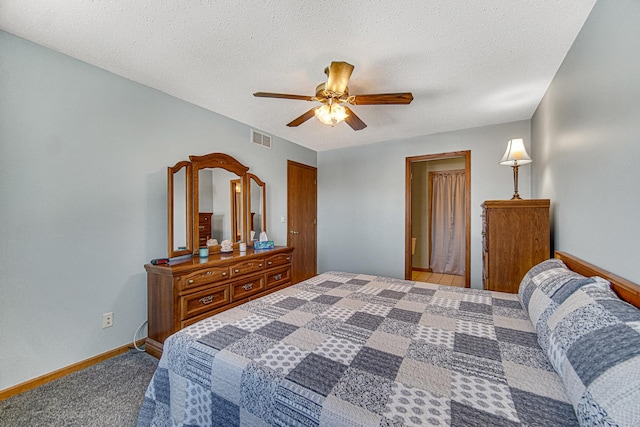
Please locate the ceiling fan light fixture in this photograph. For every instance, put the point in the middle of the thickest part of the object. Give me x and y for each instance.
(333, 94)
(331, 114)
(323, 114)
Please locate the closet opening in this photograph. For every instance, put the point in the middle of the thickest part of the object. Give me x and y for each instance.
(438, 218)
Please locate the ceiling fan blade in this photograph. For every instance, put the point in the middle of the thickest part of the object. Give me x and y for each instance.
(383, 98)
(303, 118)
(283, 95)
(353, 120)
(339, 74)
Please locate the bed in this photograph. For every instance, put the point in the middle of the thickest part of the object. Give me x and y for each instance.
(345, 349)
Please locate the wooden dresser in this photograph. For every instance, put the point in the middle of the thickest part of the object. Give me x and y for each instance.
(186, 291)
(515, 237)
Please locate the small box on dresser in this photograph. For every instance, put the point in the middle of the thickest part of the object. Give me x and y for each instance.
(185, 291)
(515, 237)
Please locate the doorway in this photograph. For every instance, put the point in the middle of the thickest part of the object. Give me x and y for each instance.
(438, 217)
(301, 219)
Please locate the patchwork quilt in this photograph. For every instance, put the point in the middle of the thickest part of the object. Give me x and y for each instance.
(346, 349)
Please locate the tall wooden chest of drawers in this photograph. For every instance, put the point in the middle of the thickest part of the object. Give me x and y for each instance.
(515, 237)
(204, 228)
(186, 291)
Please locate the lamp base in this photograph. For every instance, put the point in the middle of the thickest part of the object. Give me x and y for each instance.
(516, 196)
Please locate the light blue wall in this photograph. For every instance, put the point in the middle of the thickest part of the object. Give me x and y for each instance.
(361, 196)
(83, 158)
(586, 139)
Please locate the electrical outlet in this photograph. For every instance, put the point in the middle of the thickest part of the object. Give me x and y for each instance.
(282, 219)
(107, 320)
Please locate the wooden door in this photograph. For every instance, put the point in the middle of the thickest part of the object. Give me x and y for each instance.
(301, 218)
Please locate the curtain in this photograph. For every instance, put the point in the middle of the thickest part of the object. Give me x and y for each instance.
(448, 222)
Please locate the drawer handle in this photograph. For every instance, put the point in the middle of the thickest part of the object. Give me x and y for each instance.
(190, 281)
(247, 286)
(288, 258)
(269, 263)
(236, 271)
(260, 265)
(224, 273)
(206, 300)
(277, 277)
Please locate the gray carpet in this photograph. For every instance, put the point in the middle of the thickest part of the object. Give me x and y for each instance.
(107, 394)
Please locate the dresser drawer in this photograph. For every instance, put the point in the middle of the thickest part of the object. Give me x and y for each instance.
(246, 287)
(278, 276)
(202, 277)
(279, 259)
(204, 229)
(246, 267)
(203, 301)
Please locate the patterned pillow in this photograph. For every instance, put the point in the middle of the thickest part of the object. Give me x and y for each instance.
(593, 341)
(545, 287)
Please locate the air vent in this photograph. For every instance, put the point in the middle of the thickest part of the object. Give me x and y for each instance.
(260, 139)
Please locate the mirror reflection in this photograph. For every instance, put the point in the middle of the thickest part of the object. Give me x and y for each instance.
(215, 211)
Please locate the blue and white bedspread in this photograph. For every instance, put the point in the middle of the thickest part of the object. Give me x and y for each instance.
(356, 350)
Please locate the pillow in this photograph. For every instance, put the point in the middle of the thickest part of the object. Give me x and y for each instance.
(593, 341)
(546, 286)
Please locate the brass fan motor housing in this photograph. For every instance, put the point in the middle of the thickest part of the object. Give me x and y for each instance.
(323, 95)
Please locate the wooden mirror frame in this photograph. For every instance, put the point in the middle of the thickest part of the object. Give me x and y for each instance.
(223, 161)
(263, 195)
(171, 171)
(236, 211)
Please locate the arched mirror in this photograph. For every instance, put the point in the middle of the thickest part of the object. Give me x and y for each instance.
(179, 214)
(256, 206)
(214, 198)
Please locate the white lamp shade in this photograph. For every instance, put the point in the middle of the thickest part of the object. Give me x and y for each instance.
(516, 154)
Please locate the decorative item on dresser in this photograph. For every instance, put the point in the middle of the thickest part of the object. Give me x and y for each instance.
(188, 290)
(515, 237)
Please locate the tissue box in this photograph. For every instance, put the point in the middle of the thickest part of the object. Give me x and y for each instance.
(268, 244)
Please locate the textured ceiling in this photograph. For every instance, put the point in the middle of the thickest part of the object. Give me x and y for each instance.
(468, 63)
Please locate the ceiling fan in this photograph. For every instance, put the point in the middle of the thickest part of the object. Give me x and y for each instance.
(333, 94)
